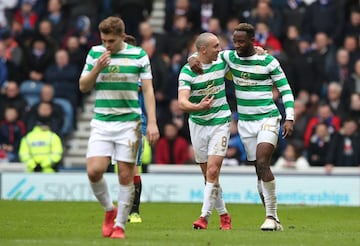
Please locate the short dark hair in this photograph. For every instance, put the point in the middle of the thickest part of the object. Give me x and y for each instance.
(246, 27)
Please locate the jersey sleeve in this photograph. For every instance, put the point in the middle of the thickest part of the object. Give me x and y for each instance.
(185, 78)
(278, 76)
(145, 67)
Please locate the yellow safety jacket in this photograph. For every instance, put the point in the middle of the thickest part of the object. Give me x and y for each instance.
(41, 147)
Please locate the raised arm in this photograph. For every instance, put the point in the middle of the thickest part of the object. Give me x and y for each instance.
(87, 81)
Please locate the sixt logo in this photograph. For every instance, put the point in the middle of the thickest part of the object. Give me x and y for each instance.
(20, 191)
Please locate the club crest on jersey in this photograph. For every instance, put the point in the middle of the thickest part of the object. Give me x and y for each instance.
(245, 75)
(114, 69)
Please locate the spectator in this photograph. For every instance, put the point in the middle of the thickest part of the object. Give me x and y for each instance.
(13, 97)
(26, 16)
(77, 9)
(37, 58)
(290, 41)
(177, 117)
(8, 70)
(301, 118)
(333, 98)
(45, 30)
(351, 44)
(327, 52)
(291, 158)
(354, 109)
(325, 16)
(293, 13)
(171, 148)
(83, 30)
(133, 13)
(352, 25)
(45, 113)
(351, 85)
(214, 26)
(324, 115)
(319, 145)
(153, 45)
(60, 114)
(58, 19)
(77, 54)
(147, 38)
(231, 23)
(178, 37)
(13, 51)
(307, 69)
(186, 8)
(341, 70)
(41, 149)
(207, 9)
(345, 146)
(64, 77)
(11, 131)
(265, 38)
(264, 13)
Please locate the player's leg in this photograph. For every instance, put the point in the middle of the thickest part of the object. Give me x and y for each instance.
(125, 156)
(267, 140)
(100, 148)
(125, 197)
(134, 216)
(200, 149)
(216, 152)
(203, 167)
(96, 166)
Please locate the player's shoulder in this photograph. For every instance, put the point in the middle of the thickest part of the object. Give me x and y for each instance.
(266, 58)
(134, 50)
(97, 48)
(185, 68)
(96, 51)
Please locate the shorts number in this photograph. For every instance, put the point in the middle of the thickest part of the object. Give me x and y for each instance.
(223, 141)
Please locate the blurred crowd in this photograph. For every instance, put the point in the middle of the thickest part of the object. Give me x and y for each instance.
(43, 45)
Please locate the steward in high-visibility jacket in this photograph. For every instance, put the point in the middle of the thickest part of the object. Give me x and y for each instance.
(41, 150)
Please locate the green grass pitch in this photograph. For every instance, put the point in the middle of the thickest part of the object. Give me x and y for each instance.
(79, 223)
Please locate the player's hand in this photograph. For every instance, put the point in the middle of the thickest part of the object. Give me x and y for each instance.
(104, 60)
(195, 65)
(206, 102)
(260, 51)
(152, 133)
(288, 128)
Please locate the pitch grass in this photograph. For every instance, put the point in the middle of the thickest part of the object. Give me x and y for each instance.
(79, 223)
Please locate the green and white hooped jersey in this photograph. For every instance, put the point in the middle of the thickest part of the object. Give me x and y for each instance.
(117, 84)
(211, 82)
(254, 78)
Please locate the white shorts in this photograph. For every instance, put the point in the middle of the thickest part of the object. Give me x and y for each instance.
(119, 140)
(209, 140)
(260, 131)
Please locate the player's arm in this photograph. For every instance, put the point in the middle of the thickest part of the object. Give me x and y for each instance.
(88, 80)
(149, 98)
(282, 84)
(187, 106)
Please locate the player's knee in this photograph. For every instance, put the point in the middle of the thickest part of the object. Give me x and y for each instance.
(262, 168)
(94, 176)
(212, 172)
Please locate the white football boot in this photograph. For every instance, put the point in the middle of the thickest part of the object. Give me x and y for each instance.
(271, 224)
